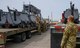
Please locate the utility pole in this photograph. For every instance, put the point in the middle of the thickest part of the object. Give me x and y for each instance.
(48, 20)
(51, 16)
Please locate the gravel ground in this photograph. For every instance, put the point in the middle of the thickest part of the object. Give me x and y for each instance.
(37, 41)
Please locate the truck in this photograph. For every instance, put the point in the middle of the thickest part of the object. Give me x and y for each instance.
(16, 25)
(58, 29)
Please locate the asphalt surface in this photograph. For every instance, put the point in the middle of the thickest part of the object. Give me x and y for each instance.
(37, 41)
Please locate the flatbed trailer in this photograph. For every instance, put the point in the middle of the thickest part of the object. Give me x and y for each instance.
(57, 33)
(18, 34)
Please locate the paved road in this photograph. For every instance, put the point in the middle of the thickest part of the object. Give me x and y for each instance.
(37, 41)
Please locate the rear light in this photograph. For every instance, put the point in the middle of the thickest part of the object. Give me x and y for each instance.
(59, 28)
(2, 46)
(1, 36)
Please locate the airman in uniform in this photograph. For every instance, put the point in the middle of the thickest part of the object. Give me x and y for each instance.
(69, 35)
(38, 25)
(44, 26)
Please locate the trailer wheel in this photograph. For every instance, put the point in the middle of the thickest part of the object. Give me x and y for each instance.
(20, 38)
(23, 37)
(28, 36)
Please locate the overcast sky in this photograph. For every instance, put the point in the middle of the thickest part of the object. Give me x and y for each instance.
(48, 7)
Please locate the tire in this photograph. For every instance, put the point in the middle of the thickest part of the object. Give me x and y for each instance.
(23, 37)
(20, 38)
(28, 35)
(17, 38)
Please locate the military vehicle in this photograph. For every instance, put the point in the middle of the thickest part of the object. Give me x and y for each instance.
(58, 29)
(18, 25)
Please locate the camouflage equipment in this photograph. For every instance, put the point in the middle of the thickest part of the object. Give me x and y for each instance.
(69, 36)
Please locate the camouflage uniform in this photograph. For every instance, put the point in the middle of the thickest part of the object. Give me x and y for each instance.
(38, 25)
(44, 26)
(69, 36)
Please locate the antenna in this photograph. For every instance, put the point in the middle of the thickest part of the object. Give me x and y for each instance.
(70, 2)
(8, 8)
(72, 8)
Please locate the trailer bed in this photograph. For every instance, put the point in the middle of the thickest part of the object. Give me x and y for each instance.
(12, 31)
(6, 30)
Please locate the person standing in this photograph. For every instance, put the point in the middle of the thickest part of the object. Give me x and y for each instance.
(38, 24)
(69, 35)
